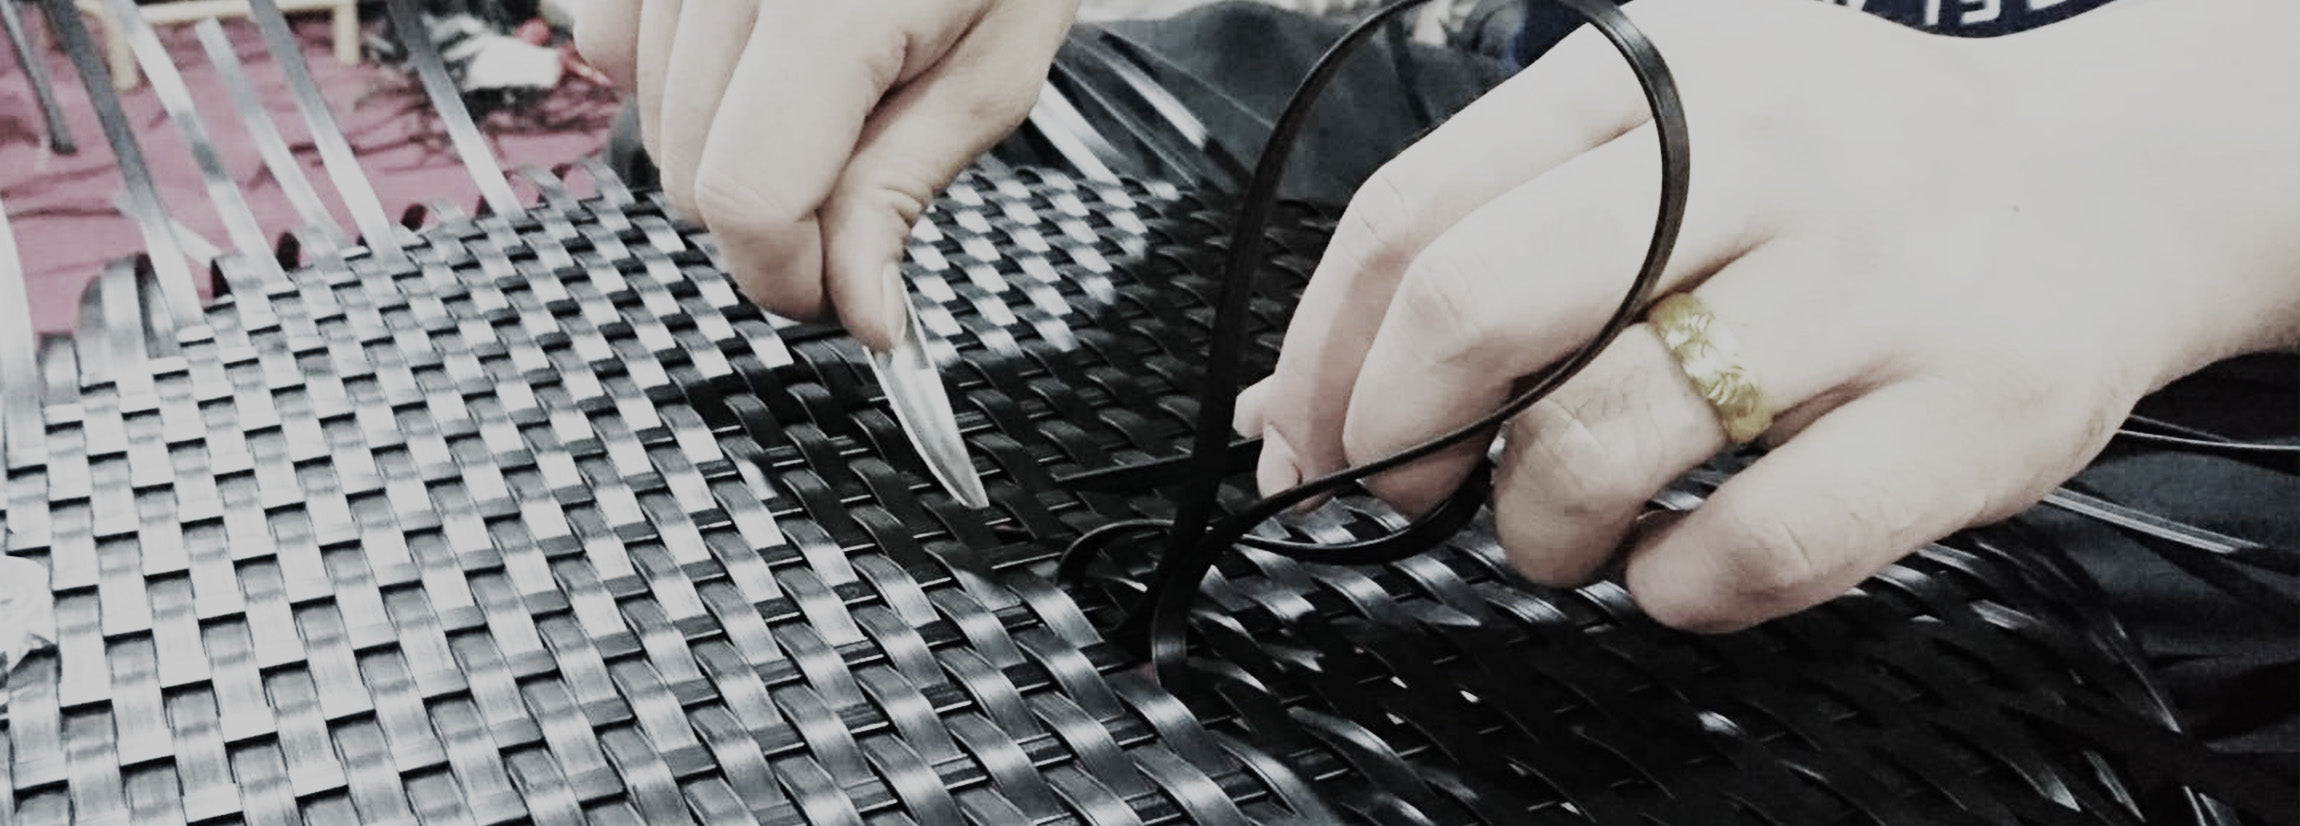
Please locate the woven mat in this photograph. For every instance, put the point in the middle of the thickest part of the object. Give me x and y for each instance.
(552, 527)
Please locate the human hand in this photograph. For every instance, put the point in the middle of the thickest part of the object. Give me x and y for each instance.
(808, 136)
(1952, 265)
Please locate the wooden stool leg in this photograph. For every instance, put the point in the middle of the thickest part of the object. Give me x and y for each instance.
(347, 33)
(123, 59)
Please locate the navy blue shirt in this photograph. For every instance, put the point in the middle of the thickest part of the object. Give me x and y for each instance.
(1547, 23)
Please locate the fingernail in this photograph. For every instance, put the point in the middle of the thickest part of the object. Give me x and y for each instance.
(1249, 416)
(1276, 471)
(896, 300)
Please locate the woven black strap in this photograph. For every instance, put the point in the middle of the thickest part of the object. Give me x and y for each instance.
(543, 522)
(36, 72)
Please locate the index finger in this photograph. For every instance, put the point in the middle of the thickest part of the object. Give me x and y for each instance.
(607, 36)
(791, 118)
(1577, 97)
(1514, 288)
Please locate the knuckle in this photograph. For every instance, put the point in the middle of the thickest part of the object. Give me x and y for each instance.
(1563, 490)
(883, 56)
(1766, 567)
(1373, 229)
(1441, 305)
(1565, 461)
(2042, 423)
(1778, 560)
(730, 204)
(1541, 549)
(1000, 105)
(774, 298)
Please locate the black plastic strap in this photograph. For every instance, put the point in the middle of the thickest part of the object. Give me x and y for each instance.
(1072, 136)
(1149, 60)
(375, 226)
(20, 425)
(36, 71)
(1399, 40)
(143, 198)
(2228, 778)
(2140, 432)
(478, 158)
(168, 85)
(1181, 146)
(1192, 548)
(195, 246)
(1152, 475)
(318, 228)
(1097, 52)
(2140, 523)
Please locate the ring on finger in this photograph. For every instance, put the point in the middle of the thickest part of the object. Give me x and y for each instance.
(1710, 356)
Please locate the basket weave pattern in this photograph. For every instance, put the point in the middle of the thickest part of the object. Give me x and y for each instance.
(553, 527)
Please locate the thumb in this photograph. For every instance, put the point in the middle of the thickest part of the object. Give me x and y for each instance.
(913, 146)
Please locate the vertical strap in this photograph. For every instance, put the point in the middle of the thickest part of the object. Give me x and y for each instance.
(605, 184)
(1071, 136)
(20, 427)
(239, 221)
(59, 369)
(376, 228)
(36, 70)
(195, 246)
(112, 337)
(1169, 74)
(142, 197)
(550, 189)
(318, 228)
(478, 157)
(1180, 144)
(1098, 54)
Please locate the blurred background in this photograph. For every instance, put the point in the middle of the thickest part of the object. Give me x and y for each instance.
(538, 103)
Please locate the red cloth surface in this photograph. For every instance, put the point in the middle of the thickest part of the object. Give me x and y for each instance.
(60, 206)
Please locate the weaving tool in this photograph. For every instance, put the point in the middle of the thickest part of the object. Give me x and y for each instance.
(527, 516)
(914, 389)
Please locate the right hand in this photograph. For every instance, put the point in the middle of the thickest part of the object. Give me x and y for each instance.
(808, 136)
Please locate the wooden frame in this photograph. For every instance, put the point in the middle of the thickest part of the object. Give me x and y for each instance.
(345, 14)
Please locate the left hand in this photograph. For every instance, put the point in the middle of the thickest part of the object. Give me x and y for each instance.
(1952, 265)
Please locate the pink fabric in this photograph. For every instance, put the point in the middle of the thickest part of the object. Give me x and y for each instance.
(60, 206)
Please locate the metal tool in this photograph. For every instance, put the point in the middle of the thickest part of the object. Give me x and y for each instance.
(914, 389)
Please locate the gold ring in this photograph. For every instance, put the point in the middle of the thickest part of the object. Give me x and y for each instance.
(1710, 357)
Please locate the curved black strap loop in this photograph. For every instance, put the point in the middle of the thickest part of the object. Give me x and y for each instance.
(1195, 542)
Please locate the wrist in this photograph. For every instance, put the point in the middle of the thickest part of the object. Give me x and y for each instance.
(2178, 117)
